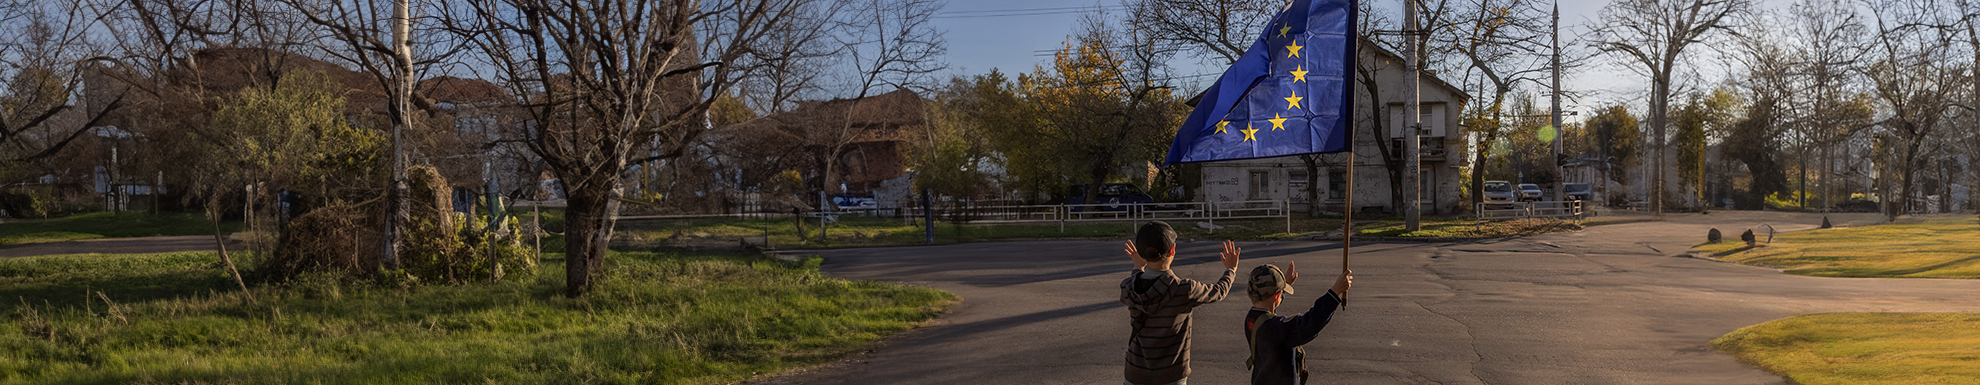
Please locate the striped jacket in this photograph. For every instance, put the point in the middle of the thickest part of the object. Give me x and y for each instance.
(1158, 348)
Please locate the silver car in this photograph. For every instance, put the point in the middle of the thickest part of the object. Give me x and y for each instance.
(1498, 191)
(1529, 192)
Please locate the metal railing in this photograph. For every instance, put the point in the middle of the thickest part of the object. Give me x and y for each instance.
(1529, 210)
(1133, 213)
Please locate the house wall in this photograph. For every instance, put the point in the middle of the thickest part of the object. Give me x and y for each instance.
(1232, 181)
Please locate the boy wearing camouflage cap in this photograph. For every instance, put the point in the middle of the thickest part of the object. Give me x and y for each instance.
(1276, 355)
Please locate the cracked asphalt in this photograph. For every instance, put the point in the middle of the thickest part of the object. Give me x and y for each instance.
(1617, 304)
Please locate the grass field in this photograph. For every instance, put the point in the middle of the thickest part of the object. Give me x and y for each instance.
(104, 225)
(655, 318)
(1927, 248)
(1864, 348)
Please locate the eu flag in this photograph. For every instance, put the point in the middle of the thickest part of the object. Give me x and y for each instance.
(1289, 94)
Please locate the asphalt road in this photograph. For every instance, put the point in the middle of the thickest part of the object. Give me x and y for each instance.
(1609, 305)
(115, 246)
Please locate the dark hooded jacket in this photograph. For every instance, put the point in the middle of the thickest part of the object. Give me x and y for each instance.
(1159, 311)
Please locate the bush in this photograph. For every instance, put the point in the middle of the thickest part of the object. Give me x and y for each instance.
(469, 251)
(338, 239)
(440, 245)
(446, 246)
(41, 201)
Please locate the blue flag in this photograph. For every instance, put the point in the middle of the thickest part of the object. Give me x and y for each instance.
(1290, 94)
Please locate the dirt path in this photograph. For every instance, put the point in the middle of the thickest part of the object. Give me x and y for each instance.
(115, 246)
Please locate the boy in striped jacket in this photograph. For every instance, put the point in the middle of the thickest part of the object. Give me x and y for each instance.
(1159, 306)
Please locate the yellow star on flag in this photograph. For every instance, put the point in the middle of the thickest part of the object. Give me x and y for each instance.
(1282, 31)
(1222, 125)
(1278, 122)
(1293, 49)
(1249, 134)
(1293, 101)
(1299, 75)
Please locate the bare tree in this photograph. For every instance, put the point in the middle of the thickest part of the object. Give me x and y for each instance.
(45, 54)
(602, 78)
(1652, 36)
(889, 43)
(1914, 76)
(1830, 34)
(1499, 42)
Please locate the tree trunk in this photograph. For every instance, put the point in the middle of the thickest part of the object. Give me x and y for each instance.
(1312, 184)
(588, 232)
(1660, 93)
(220, 243)
(1097, 178)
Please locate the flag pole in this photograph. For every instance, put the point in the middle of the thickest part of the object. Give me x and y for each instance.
(1347, 225)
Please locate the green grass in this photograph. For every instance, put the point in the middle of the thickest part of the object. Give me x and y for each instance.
(105, 225)
(1864, 348)
(655, 318)
(1930, 248)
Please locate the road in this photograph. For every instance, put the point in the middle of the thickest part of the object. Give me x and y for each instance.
(114, 246)
(1607, 305)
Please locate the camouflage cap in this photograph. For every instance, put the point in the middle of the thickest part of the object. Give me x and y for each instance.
(1266, 280)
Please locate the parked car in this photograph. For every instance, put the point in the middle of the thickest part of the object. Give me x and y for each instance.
(1529, 192)
(1112, 197)
(1498, 191)
(854, 202)
(1579, 191)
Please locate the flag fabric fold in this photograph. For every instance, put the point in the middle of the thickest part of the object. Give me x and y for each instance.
(1290, 94)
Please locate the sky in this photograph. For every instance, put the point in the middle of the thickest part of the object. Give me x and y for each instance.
(1013, 41)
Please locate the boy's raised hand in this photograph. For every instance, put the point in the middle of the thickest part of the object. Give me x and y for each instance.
(1230, 255)
(1292, 272)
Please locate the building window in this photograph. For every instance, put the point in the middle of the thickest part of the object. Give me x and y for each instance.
(1296, 185)
(1261, 186)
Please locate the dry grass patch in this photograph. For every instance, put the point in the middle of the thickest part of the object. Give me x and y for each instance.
(1931, 248)
(1863, 348)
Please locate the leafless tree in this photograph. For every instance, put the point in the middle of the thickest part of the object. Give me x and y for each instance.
(1915, 76)
(1830, 41)
(1652, 37)
(889, 43)
(45, 52)
(1503, 44)
(602, 78)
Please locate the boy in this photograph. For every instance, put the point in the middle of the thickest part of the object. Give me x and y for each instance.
(1160, 303)
(1276, 355)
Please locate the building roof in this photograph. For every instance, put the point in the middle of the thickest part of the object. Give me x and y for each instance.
(1430, 77)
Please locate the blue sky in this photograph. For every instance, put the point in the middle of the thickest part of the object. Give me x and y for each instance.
(1011, 43)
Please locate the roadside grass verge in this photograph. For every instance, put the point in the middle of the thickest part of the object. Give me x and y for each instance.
(1929, 248)
(105, 225)
(654, 318)
(1863, 348)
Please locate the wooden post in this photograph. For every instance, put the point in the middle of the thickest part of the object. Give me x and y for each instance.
(537, 222)
(1347, 221)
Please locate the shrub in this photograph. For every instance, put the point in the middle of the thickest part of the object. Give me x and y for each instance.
(440, 245)
(340, 239)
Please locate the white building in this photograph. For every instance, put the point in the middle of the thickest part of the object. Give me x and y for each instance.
(1285, 178)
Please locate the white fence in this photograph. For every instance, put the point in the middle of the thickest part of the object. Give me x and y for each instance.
(1528, 210)
(1062, 214)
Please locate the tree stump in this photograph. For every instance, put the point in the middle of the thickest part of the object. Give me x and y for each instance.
(1714, 236)
(1748, 237)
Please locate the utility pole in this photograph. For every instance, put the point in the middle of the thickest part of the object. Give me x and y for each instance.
(397, 213)
(1560, 133)
(1413, 120)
